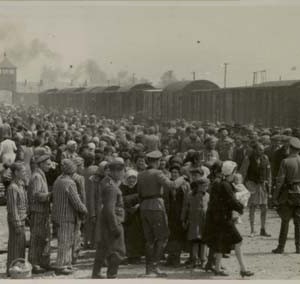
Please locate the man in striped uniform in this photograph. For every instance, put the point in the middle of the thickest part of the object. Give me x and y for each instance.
(67, 207)
(80, 184)
(39, 206)
(17, 207)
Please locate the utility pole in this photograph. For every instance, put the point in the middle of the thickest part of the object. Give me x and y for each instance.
(225, 74)
(194, 75)
(263, 75)
(133, 78)
(254, 78)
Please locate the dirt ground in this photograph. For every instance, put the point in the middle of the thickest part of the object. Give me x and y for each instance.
(257, 251)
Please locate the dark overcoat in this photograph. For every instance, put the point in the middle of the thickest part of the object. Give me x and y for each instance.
(220, 232)
(111, 218)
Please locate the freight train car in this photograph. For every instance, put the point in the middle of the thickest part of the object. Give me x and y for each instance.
(269, 104)
(175, 104)
(152, 103)
(130, 99)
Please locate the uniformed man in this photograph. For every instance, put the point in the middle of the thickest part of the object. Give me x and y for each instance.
(151, 184)
(111, 246)
(287, 195)
(39, 206)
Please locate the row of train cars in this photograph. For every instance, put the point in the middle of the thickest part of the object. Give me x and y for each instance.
(269, 104)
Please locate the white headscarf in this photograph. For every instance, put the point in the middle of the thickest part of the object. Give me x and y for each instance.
(129, 173)
(228, 167)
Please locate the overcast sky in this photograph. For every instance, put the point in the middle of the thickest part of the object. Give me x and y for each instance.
(150, 39)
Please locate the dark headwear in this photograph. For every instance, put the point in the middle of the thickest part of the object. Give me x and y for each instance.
(116, 164)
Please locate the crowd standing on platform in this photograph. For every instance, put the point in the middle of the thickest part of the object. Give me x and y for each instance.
(130, 189)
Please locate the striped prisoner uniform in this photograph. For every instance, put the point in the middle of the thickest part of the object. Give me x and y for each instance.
(39, 206)
(80, 184)
(67, 206)
(17, 206)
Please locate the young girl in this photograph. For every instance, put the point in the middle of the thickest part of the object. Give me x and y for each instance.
(193, 217)
(242, 194)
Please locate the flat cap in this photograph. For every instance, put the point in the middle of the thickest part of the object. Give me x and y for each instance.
(295, 143)
(285, 138)
(276, 137)
(42, 158)
(154, 155)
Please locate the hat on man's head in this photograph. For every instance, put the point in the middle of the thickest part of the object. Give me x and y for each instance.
(39, 151)
(295, 143)
(154, 155)
(285, 138)
(276, 137)
(116, 164)
(41, 158)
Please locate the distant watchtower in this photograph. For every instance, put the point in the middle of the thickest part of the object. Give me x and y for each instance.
(8, 75)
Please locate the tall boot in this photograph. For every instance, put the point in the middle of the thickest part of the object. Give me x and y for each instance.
(297, 235)
(98, 263)
(284, 229)
(113, 266)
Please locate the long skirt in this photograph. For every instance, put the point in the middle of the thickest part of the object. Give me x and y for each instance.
(134, 236)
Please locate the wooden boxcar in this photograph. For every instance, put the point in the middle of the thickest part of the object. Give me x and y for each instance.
(152, 103)
(111, 102)
(175, 104)
(269, 104)
(132, 99)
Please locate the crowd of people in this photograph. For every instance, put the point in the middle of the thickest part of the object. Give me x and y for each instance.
(131, 189)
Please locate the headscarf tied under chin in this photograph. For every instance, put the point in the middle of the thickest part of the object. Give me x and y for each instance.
(128, 174)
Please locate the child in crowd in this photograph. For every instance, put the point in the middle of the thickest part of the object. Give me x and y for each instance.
(194, 214)
(242, 194)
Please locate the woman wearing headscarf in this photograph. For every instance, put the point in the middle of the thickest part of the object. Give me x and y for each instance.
(134, 238)
(221, 234)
